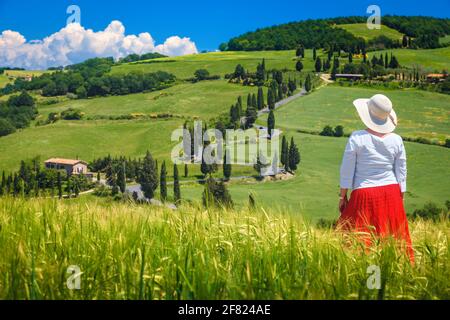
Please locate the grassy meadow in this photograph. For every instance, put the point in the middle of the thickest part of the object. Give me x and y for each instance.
(421, 113)
(204, 100)
(217, 63)
(89, 140)
(4, 80)
(432, 60)
(361, 30)
(313, 192)
(126, 251)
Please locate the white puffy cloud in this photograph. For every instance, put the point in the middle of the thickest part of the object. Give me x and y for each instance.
(74, 43)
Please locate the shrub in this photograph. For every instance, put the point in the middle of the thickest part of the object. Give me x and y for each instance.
(102, 191)
(201, 74)
(72, 114)
(430, 211)
(216, 194)
(327, 131)
(339, 131)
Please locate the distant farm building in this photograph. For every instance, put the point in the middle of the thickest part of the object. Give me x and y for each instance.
(349, 76)
(72, 167)
(436, 77)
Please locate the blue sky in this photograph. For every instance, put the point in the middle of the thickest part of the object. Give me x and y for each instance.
(207, 23)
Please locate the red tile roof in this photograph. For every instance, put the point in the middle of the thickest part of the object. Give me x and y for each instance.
(65, 161)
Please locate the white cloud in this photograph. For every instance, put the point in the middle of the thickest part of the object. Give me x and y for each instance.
(74, 43)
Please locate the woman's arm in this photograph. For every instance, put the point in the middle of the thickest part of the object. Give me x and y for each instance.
(347, 171)
(400, 169)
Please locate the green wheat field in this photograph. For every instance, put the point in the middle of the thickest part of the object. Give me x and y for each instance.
(125, 251)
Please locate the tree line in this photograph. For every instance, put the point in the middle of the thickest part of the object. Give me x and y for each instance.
(91, 78)
(145, 171)
(31, 180)
(16, 113)
(423, 32)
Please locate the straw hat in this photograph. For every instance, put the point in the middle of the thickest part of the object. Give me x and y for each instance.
(377, 113)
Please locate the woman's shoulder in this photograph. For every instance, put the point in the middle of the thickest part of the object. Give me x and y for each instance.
(358, 134)
(396, 138)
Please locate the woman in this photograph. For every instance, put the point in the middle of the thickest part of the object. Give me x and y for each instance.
(374, 167)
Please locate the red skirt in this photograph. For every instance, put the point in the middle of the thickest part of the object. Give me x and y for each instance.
(377, 211)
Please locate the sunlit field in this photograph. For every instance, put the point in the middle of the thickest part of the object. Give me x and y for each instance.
(126, 251)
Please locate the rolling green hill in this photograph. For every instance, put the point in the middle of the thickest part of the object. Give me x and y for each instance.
(203, 99)
(421, 114)
(219, 63)
(361, 30)
(88, 140)
(428, 60)
(314, 190)
(4, 80)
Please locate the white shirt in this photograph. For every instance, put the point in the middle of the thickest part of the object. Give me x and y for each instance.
(371, 161)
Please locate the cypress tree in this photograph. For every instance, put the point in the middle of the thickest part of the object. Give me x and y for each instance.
(294, 156)
(204, 167)
(280, 92)
(314, 53)
(270, 99)
(121, 179)
(16, 185)
(386, 61)
(176, 185)
(249, 100)
(59, 183)
(76, 188)
(115, 188)
(308, 85)
(163, 182)
(148, 177)
(98, 176)
(254, 103)
(299, 66)
(350, 57)
(318, 65)
(270, 123)
(380, 61)
(186, 171)
(284, 150)
(330, 53)
(250, 116)
(234, 114)
(260, 99)
(239, 105)
(334, 70)
(226, 167)
(9, 184)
